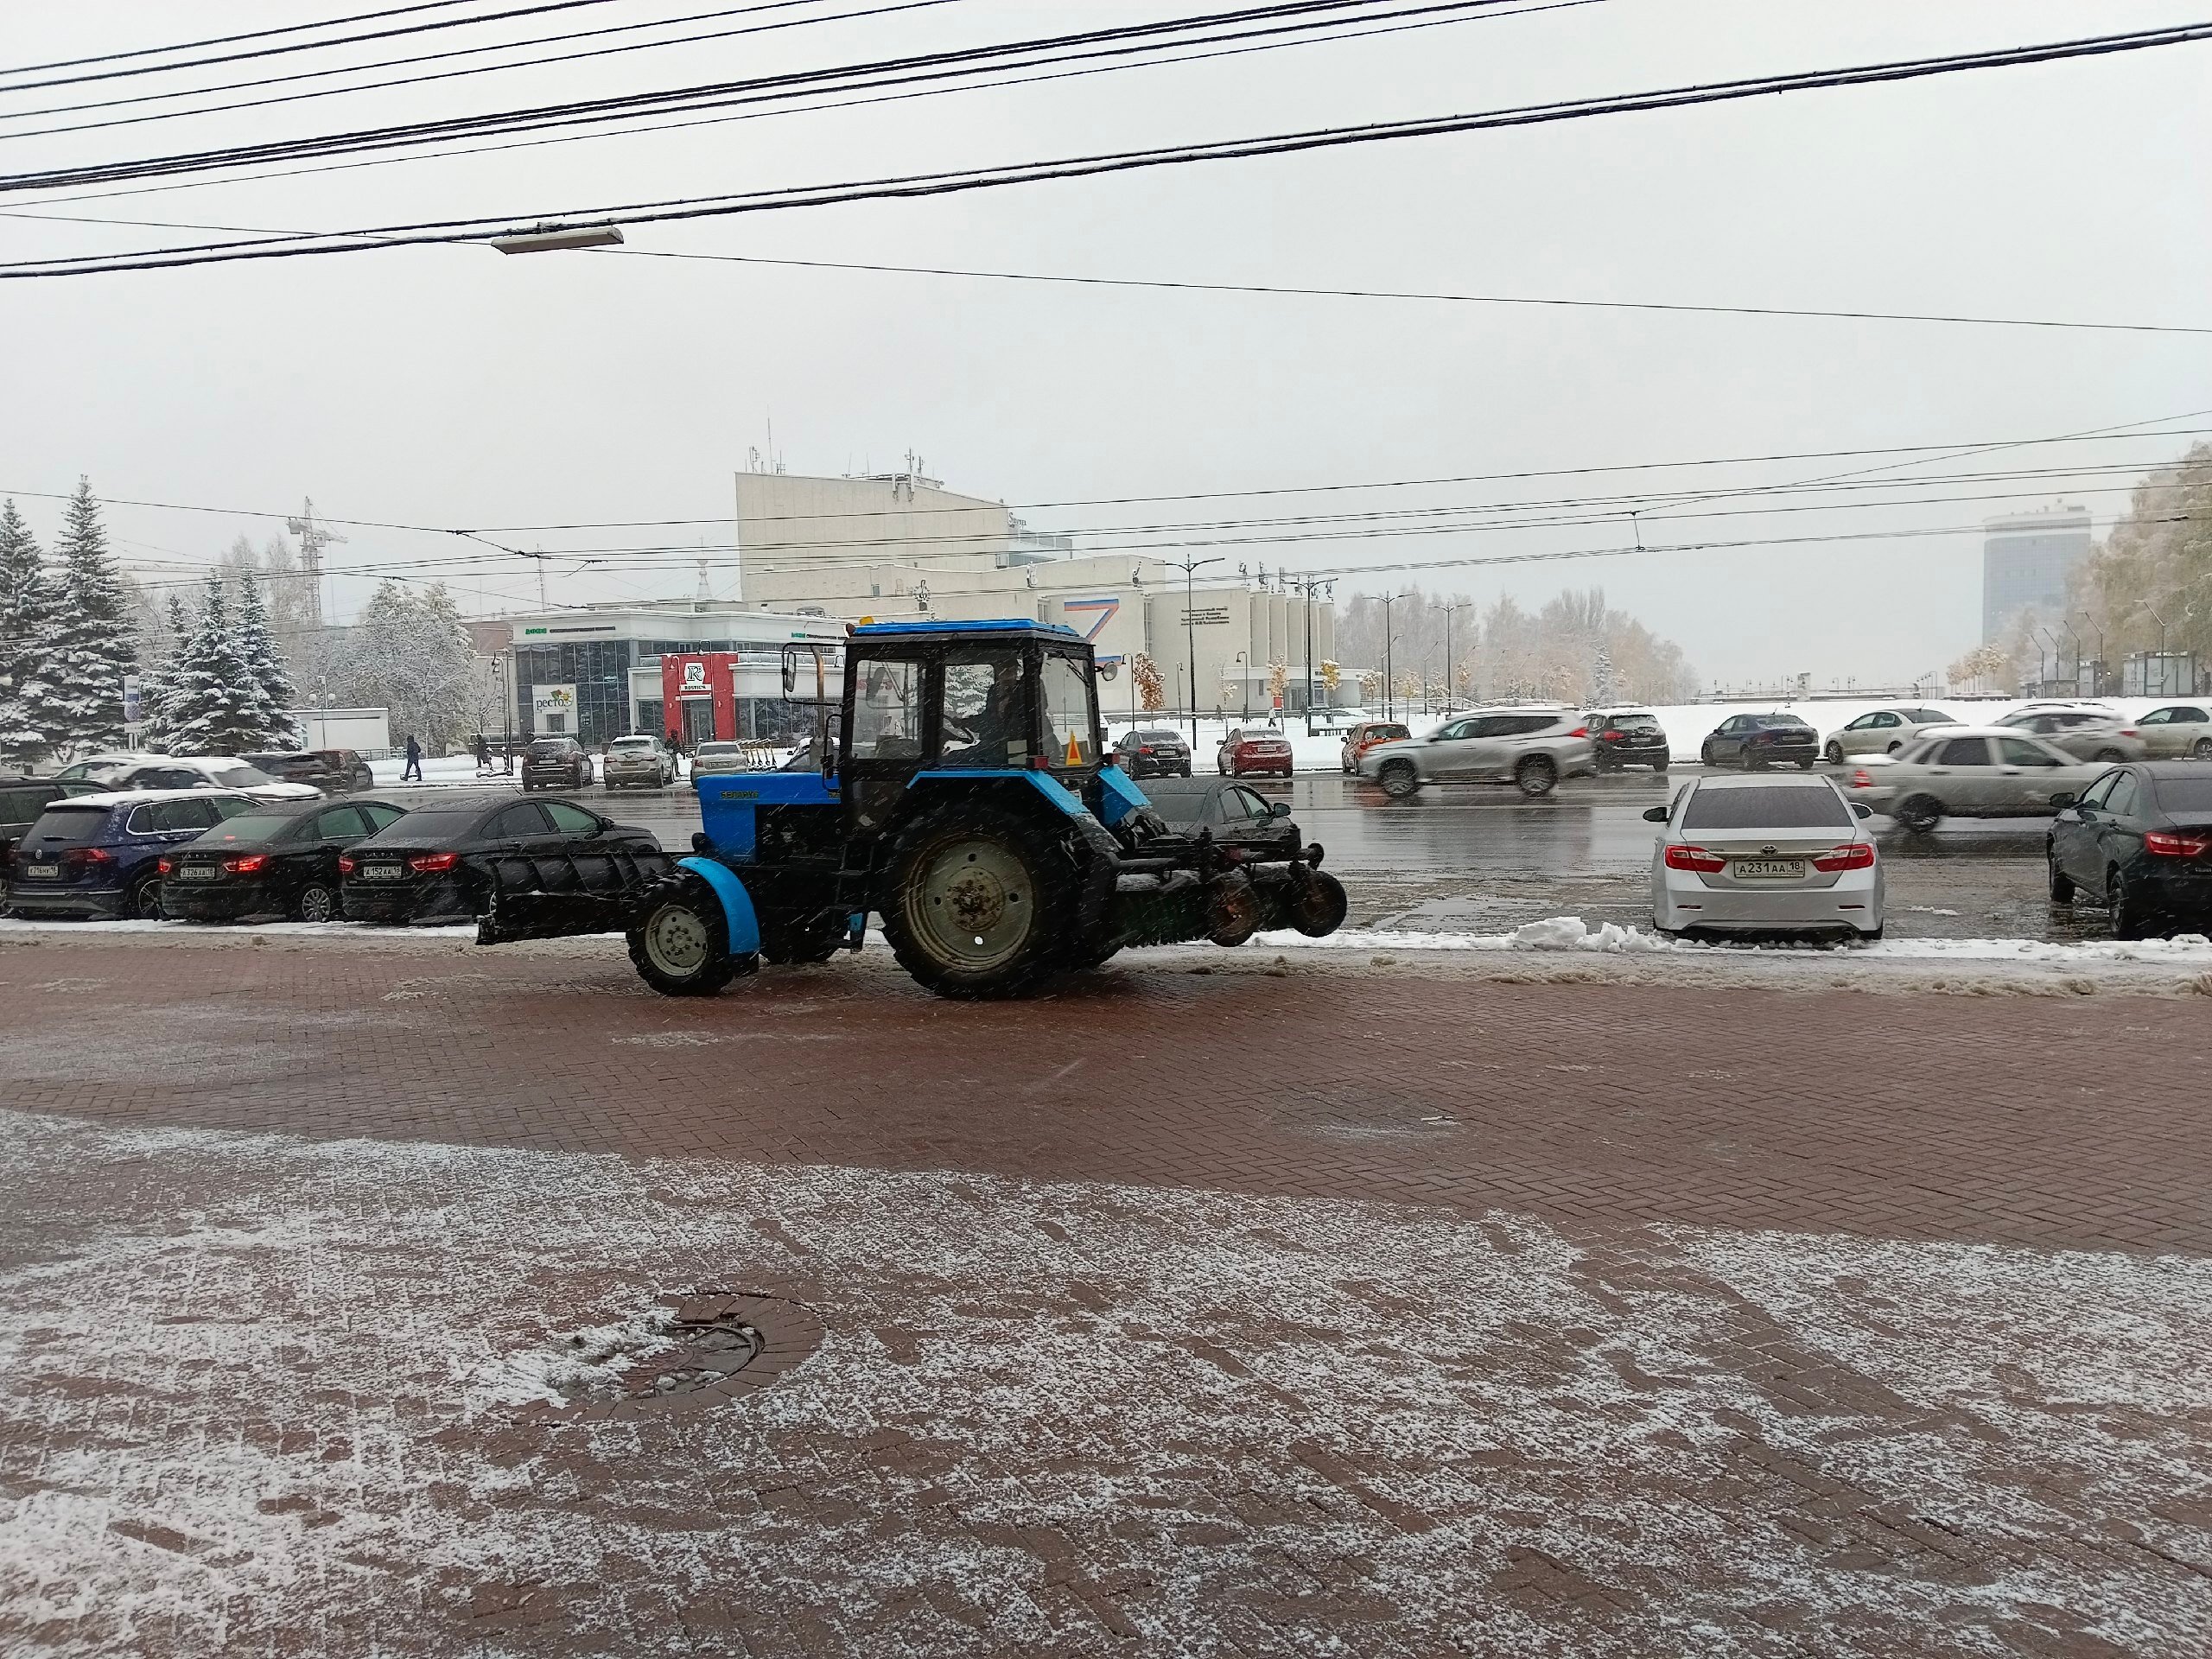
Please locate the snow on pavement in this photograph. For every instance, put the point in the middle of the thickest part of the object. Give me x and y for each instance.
(246, 1404)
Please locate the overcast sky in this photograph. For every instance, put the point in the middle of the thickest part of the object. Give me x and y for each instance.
(453, 386)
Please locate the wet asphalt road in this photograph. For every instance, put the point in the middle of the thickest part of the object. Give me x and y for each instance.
(1480, 858)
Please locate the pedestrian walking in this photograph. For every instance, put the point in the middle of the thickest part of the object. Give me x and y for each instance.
(414, 768)
(483, 754)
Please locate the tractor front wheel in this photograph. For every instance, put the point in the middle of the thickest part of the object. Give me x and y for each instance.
(982, 901)
(680, 938)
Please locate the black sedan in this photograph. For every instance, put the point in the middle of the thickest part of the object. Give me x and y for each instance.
(444, 861)
(1629, 740)
(2139, 840)
(1233, 812)
(1756, 742)
(278, 860)
(1153, 752)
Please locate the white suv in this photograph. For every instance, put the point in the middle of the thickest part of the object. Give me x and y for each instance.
(132, 773)
(1533, 748)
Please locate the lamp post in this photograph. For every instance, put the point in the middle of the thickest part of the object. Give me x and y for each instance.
(2068, 627)
(1465, 605)
(1389, 688)
(1309, 587)
(1244, 681)
(2097, 679)
(1190, 569)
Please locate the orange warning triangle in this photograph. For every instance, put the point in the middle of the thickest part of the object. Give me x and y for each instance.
(1075, 751)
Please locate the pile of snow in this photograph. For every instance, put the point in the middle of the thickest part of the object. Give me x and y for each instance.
(1571, 933)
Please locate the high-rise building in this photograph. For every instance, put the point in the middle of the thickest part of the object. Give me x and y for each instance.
(2025, 559)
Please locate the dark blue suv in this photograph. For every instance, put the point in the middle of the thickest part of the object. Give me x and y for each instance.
(101, 855)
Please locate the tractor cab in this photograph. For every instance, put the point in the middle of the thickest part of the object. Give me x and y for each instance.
(963, 701)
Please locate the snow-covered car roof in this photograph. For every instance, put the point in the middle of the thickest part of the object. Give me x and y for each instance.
(144, 797)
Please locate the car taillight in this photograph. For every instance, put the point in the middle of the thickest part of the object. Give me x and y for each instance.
(1580, 731)
(432, 863)
(93, 855)
(1146, 749)
(1862, 779)
(246, 865)
(2129, 731)
(1694, 858)
(345, 865)
(1609, 736)
(2165, 845)
(1851, 855)
(163, 865)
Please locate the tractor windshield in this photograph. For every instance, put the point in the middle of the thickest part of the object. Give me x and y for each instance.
(1070, 713)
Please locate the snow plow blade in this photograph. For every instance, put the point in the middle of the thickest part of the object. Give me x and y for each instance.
(559, 895)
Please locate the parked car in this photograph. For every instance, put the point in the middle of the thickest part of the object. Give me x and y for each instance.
(116, 773)
(1881, 731)
(1531, 747)
(442, 862)
(1365, 735)
(1753, 741)
(1250, 750)
(1235, 814)
(720, 755)
(99, 855)
(2139, 840)
(555, 763)
(334, 772)
(1153, 752)
(2085, 733)
(1628, 739)
(278, 860)
(1765, 854)
(21, 801)
(636, 762)
(2180, 731)
(1969, 771)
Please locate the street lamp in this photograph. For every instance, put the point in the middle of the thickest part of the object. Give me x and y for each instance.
(1190, 569)
(1389, 688)
(2068, 627)
(1465, 605)
(1244, 681)
(2097, 679)
(557, 238)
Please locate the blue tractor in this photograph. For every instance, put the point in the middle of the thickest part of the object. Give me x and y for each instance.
(965, 795)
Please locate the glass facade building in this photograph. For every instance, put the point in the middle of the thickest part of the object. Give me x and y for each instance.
(2026, 563)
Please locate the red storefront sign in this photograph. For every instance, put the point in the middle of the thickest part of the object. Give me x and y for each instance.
(703, 676)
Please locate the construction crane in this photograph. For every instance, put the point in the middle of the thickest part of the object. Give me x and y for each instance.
(313, 539)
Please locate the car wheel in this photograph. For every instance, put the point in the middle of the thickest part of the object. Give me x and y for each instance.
(2109, 757)
(1871, 936)
(1752, 762)
(1893, 748)
(2062, 885)
(1834, 754)
(2129, 917)
(144, 902)
(1398, 780)
(1807, 764)
(1536, 775)
(2202, 751)
(317, 902)
(1918, 813)
(1705, 755)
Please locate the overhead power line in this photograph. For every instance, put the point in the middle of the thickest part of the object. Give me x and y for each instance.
(271, 34)
(1268, 18)
(926, 184)
(440, 57)
(1430, 296)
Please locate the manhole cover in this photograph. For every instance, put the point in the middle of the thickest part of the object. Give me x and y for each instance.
(690, 1353)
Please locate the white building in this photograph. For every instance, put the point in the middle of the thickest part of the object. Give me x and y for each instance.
(900, 545)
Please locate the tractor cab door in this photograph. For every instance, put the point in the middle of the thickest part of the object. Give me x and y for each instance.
(887, 725)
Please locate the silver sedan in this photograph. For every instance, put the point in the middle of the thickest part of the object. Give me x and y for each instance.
(2085, 733)
(1765, 854)
(1970, 772)
(1881, 731)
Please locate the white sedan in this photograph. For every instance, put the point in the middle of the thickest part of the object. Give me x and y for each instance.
(1765, 854)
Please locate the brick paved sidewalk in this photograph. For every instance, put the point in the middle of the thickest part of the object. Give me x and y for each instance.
(1177, 1313)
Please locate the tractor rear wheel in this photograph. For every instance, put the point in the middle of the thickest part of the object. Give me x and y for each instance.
(680, 938)
(981, 901)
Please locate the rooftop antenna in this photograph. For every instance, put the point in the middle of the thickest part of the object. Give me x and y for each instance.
(705, 595)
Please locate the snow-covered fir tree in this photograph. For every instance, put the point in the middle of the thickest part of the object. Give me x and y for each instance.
(87, 644)
(23, 602)
(272, 681)
(211, 695)
(409, 653)
(157, 685)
